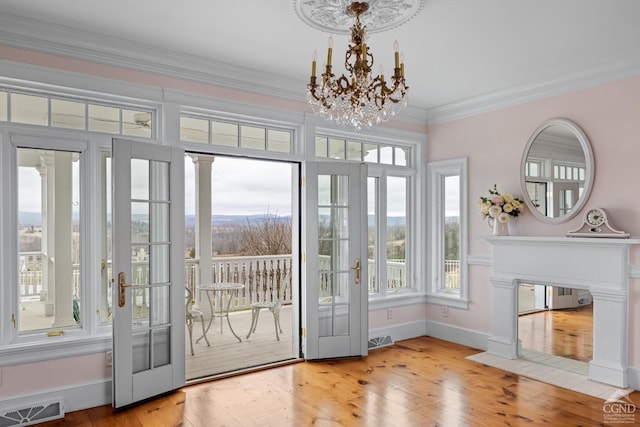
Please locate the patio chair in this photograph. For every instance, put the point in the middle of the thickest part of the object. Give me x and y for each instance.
(273, 307)
(191, 316)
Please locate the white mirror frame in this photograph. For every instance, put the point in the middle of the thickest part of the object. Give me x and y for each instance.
(589, 162)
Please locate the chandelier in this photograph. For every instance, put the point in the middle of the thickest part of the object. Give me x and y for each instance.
(360, 98)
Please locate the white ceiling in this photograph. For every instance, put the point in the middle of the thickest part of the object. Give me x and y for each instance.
(459, 54)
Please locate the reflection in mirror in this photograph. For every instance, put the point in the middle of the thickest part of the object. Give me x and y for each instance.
(557, 171)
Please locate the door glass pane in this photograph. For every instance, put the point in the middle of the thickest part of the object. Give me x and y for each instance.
(140, 222)
(140, 305)
(49, 263)
(161, 347)
(139, 179)
(150, 224)
(334, 258)
(160, 262)
(140, 350)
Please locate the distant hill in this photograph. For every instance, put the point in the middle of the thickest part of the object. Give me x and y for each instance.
(35, 219)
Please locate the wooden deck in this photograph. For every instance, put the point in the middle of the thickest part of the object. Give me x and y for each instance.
(226, 354)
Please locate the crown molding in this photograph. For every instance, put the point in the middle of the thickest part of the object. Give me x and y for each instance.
(30, 34)
(622, 68)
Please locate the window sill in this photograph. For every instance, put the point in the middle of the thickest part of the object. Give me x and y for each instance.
(396, 300)
(449, 300)
(54, 348)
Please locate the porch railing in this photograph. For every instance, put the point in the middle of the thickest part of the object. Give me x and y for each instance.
(266, 278)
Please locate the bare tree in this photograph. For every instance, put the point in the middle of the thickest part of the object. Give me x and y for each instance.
(269, 236)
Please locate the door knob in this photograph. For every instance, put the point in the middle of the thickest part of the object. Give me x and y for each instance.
(122, 289)
(357, 269)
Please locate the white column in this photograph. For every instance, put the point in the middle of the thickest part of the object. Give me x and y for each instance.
(63, 265)
(609, 363)
(48, 226)
(203, 165)
(504, 326)
(44, 249)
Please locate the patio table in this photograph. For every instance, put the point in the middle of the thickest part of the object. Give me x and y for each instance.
(218, 290)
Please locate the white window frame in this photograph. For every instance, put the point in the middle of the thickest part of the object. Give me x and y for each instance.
(437, 171)
(92, 336)
(381, 174)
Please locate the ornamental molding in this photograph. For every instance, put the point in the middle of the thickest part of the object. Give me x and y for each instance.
(331, 16)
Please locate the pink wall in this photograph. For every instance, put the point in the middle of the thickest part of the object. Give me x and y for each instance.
(51, 374)
(494, 142)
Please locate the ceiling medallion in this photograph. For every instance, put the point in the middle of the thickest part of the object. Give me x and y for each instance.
(329, 15)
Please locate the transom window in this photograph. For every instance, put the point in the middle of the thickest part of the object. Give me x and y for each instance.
(68, 113)
(236, 135)
(344, 149)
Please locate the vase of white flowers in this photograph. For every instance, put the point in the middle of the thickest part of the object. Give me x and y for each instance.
(498, 208)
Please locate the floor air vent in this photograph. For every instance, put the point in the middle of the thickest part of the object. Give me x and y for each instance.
(378, 342)
(32, 414)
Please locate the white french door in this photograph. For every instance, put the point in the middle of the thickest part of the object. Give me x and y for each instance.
(335, 295)
(148, 271)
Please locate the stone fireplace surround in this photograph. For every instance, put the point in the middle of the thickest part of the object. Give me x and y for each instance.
(600, 265)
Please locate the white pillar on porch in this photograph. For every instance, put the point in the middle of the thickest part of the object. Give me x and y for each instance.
(204, 254)
(47, 172)
(63, 264)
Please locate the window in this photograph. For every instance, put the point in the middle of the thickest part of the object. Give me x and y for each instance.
(57, 236)
(57, 112)
(341, 149)
(388, 199)
(230, 134)
(447, 183)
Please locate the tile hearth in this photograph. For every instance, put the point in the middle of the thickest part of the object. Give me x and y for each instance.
(573, 376)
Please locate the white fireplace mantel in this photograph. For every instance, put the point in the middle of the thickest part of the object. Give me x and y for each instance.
(600, 265)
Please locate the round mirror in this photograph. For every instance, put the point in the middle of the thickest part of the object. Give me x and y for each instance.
(557, 171)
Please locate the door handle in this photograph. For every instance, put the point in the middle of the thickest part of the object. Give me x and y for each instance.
(122, 289)
(357, 269)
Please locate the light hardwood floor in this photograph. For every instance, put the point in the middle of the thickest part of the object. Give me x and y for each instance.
(564, 333)
(418, 382)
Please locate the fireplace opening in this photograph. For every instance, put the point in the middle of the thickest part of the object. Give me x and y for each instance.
(555, 326)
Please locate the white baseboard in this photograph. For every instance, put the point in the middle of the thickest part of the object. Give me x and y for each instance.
(458, 335)
(438, 330)
(400, 332)
(75, 397)
(633, 377)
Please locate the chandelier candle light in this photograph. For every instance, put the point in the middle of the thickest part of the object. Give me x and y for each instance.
(359, 99)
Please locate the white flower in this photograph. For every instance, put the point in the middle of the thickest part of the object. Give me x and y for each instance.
(485, 210)
(494, 211)
(508, 198)
(503, 217)
(508, 207)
